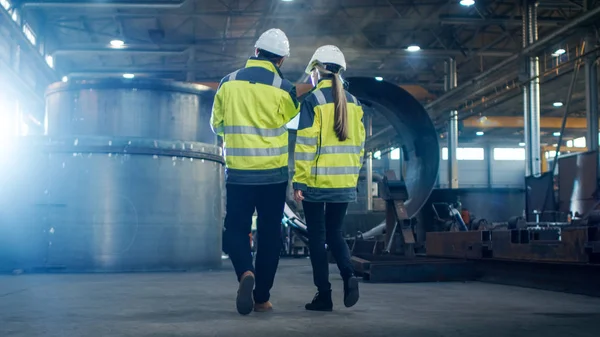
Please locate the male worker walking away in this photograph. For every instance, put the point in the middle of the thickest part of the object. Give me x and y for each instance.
(250, 112)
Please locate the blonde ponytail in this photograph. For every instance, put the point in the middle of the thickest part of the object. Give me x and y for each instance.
(341, 109)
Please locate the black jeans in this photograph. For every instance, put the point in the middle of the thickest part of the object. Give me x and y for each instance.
(269, 201)
(324, 223)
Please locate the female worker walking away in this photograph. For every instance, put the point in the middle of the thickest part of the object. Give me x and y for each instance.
(328, 158)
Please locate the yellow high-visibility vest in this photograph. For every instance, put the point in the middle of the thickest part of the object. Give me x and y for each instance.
(326, 169)
(251, 109)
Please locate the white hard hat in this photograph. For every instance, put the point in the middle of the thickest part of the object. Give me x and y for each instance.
(327, 54)
(274, 41)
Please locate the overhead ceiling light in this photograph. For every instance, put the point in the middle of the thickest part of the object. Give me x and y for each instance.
(413, 48)
(117, 43)
(559, 52)
(521, 144)
(556, 134)
(378, 78)
(557, 104)
(65, 79)
(128, 76)
(467, 2)
(287, 0)
(479, 133)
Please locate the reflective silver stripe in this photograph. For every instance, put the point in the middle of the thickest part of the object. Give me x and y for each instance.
(251, 130)
(304, 156)
(233, 75)
(254, 152)
(320, 97)
(335, 170)
(354, 99)
(341, 149)
(277, 81)
(306, 140)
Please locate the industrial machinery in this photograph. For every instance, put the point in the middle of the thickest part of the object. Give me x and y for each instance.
(128, 178)
(549, 248)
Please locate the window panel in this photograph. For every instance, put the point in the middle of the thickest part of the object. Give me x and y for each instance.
(5, 3)
(579, 142)
(29, 34)
(502, 153)
(466, 153)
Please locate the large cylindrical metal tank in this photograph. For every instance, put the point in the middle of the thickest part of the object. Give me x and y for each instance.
(128, 178)
(154, 109)
(110, 204)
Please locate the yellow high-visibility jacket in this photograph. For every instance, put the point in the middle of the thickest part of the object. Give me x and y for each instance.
(326, 170)
(251, 109)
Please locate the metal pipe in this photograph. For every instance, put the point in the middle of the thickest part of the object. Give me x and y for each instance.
(108, 4)
(534, 93)
(370, 166)
(539, 44)
(525, 89)
(451, 82)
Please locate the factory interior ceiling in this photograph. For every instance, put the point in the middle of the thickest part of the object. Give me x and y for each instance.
(202, 41)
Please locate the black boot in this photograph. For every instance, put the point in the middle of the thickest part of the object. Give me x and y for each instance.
(350, 291)
(321, 302)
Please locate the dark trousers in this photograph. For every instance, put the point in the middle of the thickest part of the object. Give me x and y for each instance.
(269, 201)
(324, 223)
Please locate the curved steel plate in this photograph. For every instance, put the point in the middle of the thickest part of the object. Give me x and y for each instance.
(415, 131)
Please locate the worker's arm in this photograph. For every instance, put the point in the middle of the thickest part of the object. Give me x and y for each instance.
(362, 134)
(306, 145)
(291, 106)
(216, 117)
(363, 137)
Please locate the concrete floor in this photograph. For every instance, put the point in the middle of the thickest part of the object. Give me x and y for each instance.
(202, 304)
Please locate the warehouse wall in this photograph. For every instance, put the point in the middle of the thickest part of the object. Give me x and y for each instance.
(489, 166)
(25, 72)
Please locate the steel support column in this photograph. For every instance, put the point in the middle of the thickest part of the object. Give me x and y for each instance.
(369, 166)
(591, 97)
(449, 84)
(531, 94)
(591, 88)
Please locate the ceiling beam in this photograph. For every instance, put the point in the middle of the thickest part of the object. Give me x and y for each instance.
(496, 20)
(179, 48)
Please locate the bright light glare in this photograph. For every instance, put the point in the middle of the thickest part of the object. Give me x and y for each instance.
(379, 78)
(559, 52)
(65, 79)
(556, 134)
(467, 2)
(479, 133)
(557, 104)
(129, 76)
(50, 61)
(413, 48)
(287, 0)
(521, 144)
(117, 43)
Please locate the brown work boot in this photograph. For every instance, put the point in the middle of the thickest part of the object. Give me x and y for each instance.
(245, 301)
(263, 307)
